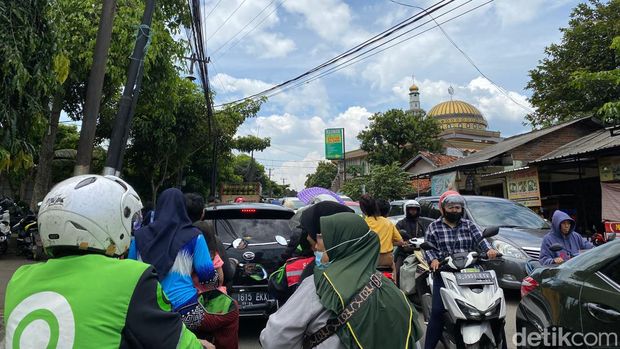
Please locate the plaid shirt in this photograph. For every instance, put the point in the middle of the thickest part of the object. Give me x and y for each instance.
(462, 238)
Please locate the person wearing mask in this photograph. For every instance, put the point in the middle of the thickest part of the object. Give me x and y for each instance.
(177, 250)
(346, 257)
(92, 299)
(412, 226)
(301, 262)
(563, 233)
(450, 234)
(385, 229)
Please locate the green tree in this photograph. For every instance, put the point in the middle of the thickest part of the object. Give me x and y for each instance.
(26, 51)
(388, 182)
(397, 135)
(576, 77)
(323, 176)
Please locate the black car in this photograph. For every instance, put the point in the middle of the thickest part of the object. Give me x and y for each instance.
(520, 235)
(255, 236)
(578, 300)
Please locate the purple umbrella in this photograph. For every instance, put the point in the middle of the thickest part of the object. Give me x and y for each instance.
(308, 194)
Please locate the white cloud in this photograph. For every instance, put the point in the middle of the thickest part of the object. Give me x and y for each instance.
(271, 45)
(512, 12)
(220, 30)
(308, 99)
(330, 19)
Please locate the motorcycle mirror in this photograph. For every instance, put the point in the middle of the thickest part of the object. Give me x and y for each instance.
(555, 247)
(281, 240)
(490, 231)
(239, 244)
(427, 246)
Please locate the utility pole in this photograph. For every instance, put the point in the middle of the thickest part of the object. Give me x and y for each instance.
(93, 92)
(122, 123)
(270, 184)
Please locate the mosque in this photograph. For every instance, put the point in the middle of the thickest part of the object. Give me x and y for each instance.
(463, 127)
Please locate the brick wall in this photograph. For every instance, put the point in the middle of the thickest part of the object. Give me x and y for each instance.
(549, 142)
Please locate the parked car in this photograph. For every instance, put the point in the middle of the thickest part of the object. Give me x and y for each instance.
(255, 236)
(582, 295)
(520, 235)
(397, 210)
(355, 206)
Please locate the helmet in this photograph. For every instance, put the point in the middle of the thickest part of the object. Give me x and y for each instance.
(411, 204)
(451, 196)
(89, 212)
(239, 200)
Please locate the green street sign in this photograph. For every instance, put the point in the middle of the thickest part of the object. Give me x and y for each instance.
(334, 143)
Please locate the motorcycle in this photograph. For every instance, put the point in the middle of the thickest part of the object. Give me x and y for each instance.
(413, 272)
(474, 302)
(5, 231)
(28, 239)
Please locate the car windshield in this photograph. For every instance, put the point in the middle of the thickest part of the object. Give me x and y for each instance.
(396, 210)
(252, 230)
(505, 214)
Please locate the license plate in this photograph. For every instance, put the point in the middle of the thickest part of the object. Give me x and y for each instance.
(477, 278)
(251, 298)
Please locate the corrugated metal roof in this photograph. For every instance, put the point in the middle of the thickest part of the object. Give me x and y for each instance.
(500, 148)
(598, 140)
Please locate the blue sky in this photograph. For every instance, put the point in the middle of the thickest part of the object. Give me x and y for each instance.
(505, 39)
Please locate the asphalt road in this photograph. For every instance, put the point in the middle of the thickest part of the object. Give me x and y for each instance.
(249, 329)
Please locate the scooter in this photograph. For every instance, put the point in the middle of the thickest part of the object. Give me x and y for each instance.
(474, 302)
(5, 231)
(413, 272)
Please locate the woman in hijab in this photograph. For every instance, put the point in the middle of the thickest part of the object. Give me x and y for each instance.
(346, 258)
(177, 250)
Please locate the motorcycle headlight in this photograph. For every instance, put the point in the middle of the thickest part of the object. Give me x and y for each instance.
(508, 250)
(469, 311)
(494, 309)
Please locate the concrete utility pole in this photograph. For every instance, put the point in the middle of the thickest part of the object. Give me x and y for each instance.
(93, 92)
(122, 123)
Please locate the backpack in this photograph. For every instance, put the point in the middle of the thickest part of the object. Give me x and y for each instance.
(284, 281)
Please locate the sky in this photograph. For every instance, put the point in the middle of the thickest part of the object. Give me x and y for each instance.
(256, 44)
(504, 39)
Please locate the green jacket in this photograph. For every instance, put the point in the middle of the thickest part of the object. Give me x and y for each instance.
(91, 301)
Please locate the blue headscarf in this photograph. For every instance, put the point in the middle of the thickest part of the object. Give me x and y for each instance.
(159, 242)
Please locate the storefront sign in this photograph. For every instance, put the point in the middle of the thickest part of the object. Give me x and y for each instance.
(609, 168)
(441, 183)
(334, 143)
(523, 187)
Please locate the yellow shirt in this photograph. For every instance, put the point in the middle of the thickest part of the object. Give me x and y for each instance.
(386, 230)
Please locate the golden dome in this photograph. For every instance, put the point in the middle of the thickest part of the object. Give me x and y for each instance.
(413, 88)
(458, 114)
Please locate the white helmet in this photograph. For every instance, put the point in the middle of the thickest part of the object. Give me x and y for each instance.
(89, 212)
(411, 203)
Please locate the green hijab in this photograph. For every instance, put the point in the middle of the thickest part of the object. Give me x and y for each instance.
(386, 319)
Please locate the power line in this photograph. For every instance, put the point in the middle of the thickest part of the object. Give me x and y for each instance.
(242, 29)
(364, 55)
(373, 40)
(289, 160)
(471, 61)
(213, 9)
(227, 19)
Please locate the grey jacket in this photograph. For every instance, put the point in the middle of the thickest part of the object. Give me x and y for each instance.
(301, 315)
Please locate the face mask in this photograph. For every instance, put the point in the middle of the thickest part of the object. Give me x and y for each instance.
(453, 217)
(318, 255)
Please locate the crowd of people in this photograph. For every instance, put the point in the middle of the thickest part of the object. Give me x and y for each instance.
(131, 276)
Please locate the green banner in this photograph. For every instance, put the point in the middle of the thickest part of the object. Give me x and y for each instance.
(334, 143)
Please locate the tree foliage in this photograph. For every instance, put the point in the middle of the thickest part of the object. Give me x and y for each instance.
(250, 143)
(323, 176)
(397, 135)
(388, 182)
(26, 78)
(576, 78)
